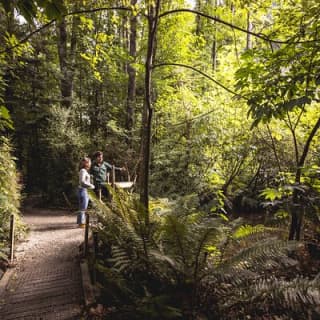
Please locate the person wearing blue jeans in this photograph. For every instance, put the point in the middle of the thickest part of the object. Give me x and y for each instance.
(84, 184)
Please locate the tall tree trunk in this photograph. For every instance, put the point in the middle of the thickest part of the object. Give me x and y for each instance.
(214, 52)
(153, 12)
(66, 60)
(214, 43)
(198, 7)
(63, 60)
(131, 98)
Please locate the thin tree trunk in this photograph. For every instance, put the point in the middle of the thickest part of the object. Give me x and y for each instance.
(274, 149)
(214, 43)
(66, 60)
(148, 110)
(131, 100)
(296, 213)
(198, 18)
(62, 53)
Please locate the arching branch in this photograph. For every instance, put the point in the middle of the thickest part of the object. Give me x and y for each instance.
(26, 38)
(202, 73)
(202, 115)
(258, 35)
(208, 77)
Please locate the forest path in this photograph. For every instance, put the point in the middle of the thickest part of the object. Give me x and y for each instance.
(46, 283)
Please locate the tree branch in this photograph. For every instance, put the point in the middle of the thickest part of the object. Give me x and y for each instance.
(308, 142)
(202, 73)
(205, 75)
(258, 35)
(25, 39)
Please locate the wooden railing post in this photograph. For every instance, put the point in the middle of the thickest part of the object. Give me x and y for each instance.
(11, 237)
(86, 235)
(95, 253)
(113, 177)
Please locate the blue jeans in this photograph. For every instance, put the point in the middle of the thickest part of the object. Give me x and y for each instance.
(83, 205)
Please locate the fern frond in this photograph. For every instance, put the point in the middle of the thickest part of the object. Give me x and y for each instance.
(296, 297)
(262, 255)
(258, 296)
(113, 284)
(249, 230)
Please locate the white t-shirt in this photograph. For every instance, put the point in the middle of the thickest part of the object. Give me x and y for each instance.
(84, 179)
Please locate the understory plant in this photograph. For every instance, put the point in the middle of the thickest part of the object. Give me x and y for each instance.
(179, 263)
(62, 140)
(10, 195)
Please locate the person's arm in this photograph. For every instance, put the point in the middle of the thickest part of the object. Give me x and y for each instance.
(82, 179)
(108, 165)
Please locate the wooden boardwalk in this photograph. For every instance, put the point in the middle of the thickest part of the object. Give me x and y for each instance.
(46, 283)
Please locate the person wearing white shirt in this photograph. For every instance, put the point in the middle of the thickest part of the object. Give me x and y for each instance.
(84, 184)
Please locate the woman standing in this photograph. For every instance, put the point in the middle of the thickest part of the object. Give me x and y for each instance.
(84, 184)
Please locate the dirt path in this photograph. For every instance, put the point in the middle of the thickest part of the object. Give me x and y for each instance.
(46, 284)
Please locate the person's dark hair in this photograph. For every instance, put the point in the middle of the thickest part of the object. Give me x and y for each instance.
(97, 154)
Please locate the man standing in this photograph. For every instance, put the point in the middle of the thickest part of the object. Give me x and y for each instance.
(100, 171)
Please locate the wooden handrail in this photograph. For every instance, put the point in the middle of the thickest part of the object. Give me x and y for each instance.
(12, 237)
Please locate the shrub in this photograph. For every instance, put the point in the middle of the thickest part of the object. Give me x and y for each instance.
(10, 193)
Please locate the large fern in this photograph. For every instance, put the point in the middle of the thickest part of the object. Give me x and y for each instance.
(251, 283)
(270, 296)
(199, 263)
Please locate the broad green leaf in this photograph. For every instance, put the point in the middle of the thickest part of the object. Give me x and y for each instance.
(271, 194)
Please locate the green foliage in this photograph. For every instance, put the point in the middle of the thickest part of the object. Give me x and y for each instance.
(29, 8)
(133, 259)
(275, 297)
(274, 84)
(271, 194)
(10, 194)
(248, 230)
(9, 186)
(202, 146)
(64, 146)
(283, 78)
(5, 119)
(175, 263)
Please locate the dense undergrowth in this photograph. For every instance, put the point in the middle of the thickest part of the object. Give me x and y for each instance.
(10, 198)
(178, 263)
